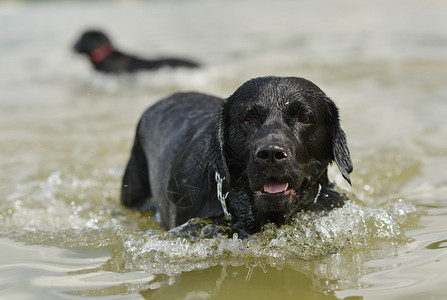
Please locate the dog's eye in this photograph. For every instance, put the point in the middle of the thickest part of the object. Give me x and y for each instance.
(248, 116)
(303, 119)
(253, 115)
(248, 119)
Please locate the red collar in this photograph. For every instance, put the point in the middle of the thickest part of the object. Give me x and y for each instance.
(101, 53)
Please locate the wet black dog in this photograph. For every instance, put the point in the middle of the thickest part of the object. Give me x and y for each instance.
(268, 146)
(106, 58)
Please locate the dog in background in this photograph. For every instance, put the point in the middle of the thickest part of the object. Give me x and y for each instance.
(106, 58)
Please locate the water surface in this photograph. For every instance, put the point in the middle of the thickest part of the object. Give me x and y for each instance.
(66, 133)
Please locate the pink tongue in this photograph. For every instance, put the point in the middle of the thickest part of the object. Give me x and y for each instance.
(275, 187)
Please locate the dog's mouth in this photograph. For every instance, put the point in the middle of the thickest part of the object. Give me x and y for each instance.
(274, 187)
(275, 195)
(78, 47)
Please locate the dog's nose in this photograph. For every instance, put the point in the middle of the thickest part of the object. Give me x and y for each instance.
(271, 153)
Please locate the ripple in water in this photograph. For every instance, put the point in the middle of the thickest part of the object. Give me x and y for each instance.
(66, 211)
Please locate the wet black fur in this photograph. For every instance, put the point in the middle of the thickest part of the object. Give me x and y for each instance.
(119, 62)
(184, 139)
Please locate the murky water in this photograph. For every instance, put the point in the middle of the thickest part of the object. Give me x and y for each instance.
(66, 132)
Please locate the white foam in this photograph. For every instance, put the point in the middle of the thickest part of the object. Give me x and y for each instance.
(67, 211)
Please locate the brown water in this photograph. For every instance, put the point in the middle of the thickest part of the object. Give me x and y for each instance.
(66, 132)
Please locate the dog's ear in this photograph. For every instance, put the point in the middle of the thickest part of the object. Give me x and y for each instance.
(221, 127)
(340, 149)
(341, 153)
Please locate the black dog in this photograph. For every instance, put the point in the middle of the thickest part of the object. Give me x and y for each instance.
(259, 156)
(107, 59)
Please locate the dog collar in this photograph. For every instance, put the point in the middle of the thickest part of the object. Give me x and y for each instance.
(221, 197)
(318, 193)
(101, 53)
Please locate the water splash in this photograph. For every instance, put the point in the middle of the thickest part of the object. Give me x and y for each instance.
(310, 236)
(66, 211)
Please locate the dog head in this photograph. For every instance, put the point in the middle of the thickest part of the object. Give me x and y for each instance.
(278, 136)
(90, 41)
